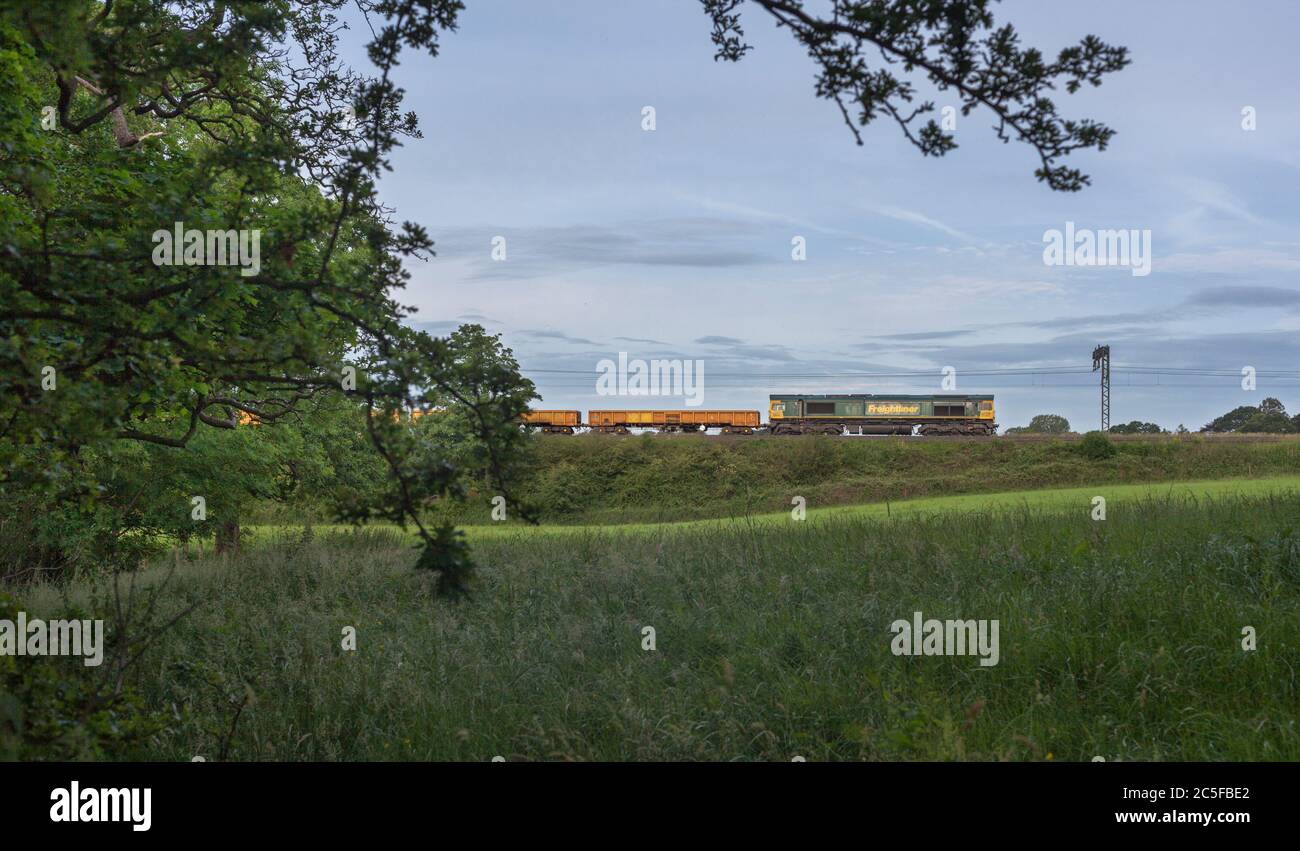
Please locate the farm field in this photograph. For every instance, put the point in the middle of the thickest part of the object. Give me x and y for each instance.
(1119, 638)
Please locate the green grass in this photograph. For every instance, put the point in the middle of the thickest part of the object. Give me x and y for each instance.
(600, 479)
(1049, 499)
(1119, 638)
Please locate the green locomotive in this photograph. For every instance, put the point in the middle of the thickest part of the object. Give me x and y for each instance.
(865, 413)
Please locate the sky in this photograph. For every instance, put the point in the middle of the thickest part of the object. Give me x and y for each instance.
(676, 242)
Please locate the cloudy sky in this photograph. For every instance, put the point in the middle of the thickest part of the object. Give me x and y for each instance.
(676, 243)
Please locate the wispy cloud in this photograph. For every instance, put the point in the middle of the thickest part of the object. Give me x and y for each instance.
(1246, 297)
(530, 252)
(916, 218)
(558, 335)
(644, 340)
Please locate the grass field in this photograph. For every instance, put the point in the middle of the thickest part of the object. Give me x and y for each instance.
(1062, 500)
(604, 479)
(1119, 638)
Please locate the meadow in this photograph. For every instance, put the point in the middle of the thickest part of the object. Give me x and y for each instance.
(1120, 638)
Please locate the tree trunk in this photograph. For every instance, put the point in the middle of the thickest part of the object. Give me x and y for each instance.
(228, 538)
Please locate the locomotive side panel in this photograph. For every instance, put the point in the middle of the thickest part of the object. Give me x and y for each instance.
(796, 413)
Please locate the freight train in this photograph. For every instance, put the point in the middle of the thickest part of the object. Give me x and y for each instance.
(795, 413)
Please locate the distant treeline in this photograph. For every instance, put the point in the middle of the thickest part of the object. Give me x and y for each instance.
(1269, 417)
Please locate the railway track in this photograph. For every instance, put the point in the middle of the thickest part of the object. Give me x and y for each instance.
(1071, 437)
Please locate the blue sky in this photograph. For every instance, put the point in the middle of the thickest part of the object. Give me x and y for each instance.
(676, 243)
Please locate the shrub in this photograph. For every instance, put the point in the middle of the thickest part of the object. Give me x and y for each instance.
(1096, 446)
(57, 708)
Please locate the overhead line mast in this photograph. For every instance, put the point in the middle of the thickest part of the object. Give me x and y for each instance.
(1101, 360)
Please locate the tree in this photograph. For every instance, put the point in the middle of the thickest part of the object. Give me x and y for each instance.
(1044, 424)
(1136, 427)
(954, 45)
(1267, 423)
(1231, 421)
(198, 117)
(489, 368)
(1272, 406)
(1269, 418)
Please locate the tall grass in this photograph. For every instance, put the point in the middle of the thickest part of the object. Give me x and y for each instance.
(1120, 638)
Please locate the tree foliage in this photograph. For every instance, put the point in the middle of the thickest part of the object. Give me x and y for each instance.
(1268, 423)
(1043, 424)
(1136, 427)
(868, 51)
(230, 117)
(1269, 417)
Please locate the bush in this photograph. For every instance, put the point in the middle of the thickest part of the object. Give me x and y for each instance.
(57, 708)
(1097, 446)
(62, 542)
